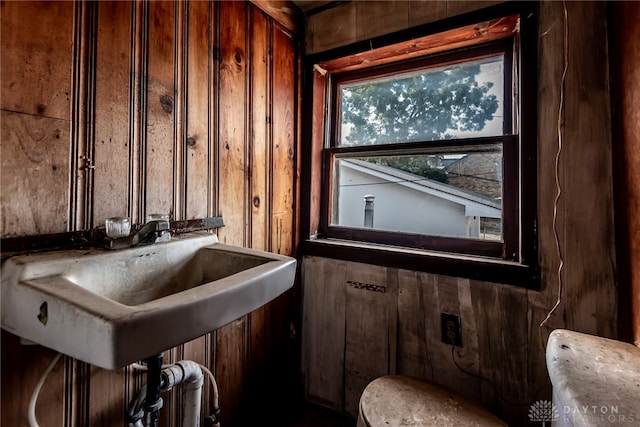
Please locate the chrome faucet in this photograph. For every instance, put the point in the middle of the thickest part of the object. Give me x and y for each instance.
(154, 231)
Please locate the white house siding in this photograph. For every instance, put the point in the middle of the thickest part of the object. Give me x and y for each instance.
(397, 207)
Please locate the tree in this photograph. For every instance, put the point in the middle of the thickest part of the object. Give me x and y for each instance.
(417, 165)
(426, 106)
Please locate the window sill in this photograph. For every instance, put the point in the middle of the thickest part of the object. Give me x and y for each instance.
(470, 267)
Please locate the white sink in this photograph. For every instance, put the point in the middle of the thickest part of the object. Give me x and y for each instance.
(112, 308)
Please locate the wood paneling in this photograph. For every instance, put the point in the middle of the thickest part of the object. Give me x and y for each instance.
(260, 133)
(159, 149)
(458, 7)
(231, 346)
(112, 96)
(324, 309)
(232, 191)
(36, 92)
(37, 47)
(283, 151)
(389, 16)
(370, 330)
(260, 151)
(283, 11)
(625, 80)
(129, 108)
(357, 21)
(35, 174)
(199, 144)
(199, 148)
(22, 367)
(422, 12)
(457, 38)
(500, 323)
(332, 28)
(589, 214)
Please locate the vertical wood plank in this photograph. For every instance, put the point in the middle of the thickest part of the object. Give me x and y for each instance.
(627, 154)
(550, 66)
(588, 176)
(138, 89)
(161, 114)
(318, 132)
(260, 135)
(498, 337)
(259, 61)
(231, 347)
(413, 347)
(199, 69)
(83, 115)
(232, 125)
(283, 347)
(282, 156)
(283, 144)
(323, 331)
(367, 331)
(469, 356)
(112, 98)
(445, 371)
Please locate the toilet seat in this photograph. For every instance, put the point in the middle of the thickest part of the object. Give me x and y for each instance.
(398, 400)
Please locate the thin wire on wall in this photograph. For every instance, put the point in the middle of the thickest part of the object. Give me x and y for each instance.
(560, 130)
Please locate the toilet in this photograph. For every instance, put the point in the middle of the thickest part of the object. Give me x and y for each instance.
(398, 400)
(596, 380)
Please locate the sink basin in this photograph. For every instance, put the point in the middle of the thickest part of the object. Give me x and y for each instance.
(112, 308)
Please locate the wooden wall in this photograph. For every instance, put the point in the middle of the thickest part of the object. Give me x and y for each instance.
(361, 20)
(127, 108)
(352, 334)
(625, 45)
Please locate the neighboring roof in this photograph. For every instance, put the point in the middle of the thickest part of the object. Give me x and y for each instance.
(475, 203)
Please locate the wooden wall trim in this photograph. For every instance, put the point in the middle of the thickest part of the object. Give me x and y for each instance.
(432, 43)
(138, 109)
(181, 84)
(82, 116)
(625, 98)
(283, 11)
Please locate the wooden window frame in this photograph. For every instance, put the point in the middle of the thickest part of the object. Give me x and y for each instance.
(514, 261)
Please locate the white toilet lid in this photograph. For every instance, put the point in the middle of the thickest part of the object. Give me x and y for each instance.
(400, 400)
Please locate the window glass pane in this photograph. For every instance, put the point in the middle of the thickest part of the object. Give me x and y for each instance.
(452, 194)
(462, 100)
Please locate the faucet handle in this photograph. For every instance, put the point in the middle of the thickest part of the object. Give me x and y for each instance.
(162, 224)
(156, 217)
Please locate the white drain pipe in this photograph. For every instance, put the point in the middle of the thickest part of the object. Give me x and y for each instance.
(189, 374)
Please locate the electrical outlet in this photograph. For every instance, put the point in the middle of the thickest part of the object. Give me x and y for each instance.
(451, 329)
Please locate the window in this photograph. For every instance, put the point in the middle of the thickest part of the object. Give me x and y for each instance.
(426, 145)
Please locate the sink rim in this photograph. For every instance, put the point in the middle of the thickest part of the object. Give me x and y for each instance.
(117, 324)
